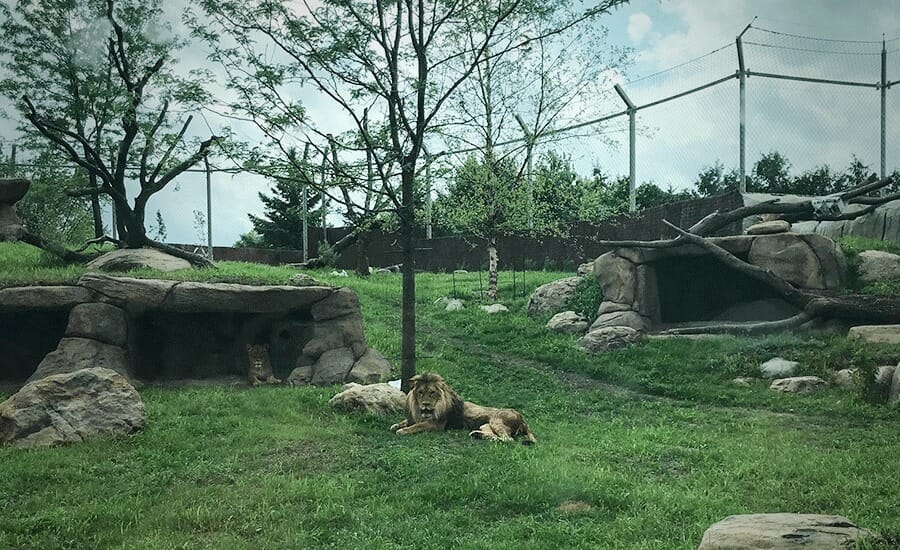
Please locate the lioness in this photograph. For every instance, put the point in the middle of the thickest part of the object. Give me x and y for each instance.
(432, 405)
(259, 366)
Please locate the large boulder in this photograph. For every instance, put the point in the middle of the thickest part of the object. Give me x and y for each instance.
(42, 298)
(332, 367)
(103, 322)
(138, 294)
(339, 304)
(783, 532)
(630, 319)
(337, 333)
(371, 368)
(127, 259)
(807, 261)
(553, 297)
(568, 322)
(73, 354)
(894, 392)
(875, 265)
(608, 338)
(12, 190)
(617, 278)
(380, 399)
(72, 407)
(876, 334)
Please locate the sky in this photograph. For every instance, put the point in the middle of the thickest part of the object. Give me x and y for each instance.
(812, 124)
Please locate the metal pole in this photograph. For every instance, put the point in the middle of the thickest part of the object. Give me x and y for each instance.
(742, 75)
(632, 149)
(529, 141)
(428, 221)
(323, 206)
(305, 204)
(208, 208)
(115, 223)
(12, 161)
(883, 113)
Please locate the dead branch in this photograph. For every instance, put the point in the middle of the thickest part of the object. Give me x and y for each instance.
(746, 329)
(196, 260)
(69, 256)
(100, 240)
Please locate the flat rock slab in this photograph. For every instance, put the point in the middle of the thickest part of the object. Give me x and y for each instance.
(225, 297)
(127, 259)
(568, 322)
(608, 338)
(67, 408)
(783, 532)
(380, 399)
(876, 334)
(494, 308)
(42, 298)
(769, 228)
(803, 385)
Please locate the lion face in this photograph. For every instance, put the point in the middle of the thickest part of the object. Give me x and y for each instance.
(430, 398)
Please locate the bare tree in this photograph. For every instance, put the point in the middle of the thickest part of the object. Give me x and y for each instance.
(146, 146)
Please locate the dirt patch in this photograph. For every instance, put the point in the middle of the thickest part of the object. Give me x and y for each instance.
(574, 507)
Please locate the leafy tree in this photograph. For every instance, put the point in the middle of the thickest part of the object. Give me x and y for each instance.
(603, 197)
(118, 89)
(713, 180)
(400, 60)
(771, 174)
(281, 225)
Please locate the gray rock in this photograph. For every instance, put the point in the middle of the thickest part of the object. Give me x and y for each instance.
(371, 368)
(332, 367)
(783, 532)
(337, 333)
(494, 308)
(847, 379)
(127, 259)
(608, 338)
(302, 279)
(875, 265)
(769, 228)
(611, 307)
(13, 189)
(884, 375)
(11, 227)
(72, 407)
(225, 297)
(778, 368)
(341, 302)
(300, 376)
(73, 354)
(454, 304)
(631, 319)
(743, 381)
(552, 297)
(803, 385)
(876, 334)
(792, 258)
(894, 392)
(137, 293)
(97, 321)
(585, 269)
(568, 322)
(42, 298)
(617, 278)
(380, 399)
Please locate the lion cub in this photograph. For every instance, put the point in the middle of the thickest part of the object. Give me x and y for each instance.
(432, 405)
(259, 368)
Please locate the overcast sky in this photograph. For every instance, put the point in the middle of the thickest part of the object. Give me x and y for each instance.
(811, 123)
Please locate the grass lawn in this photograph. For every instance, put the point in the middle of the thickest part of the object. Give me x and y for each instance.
(653, 439)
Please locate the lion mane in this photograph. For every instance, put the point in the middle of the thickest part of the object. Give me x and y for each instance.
(432, 405)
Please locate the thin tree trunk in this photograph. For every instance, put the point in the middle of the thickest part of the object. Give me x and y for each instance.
(362, 253)
(408, 298)
(95, 207)
(493, 262)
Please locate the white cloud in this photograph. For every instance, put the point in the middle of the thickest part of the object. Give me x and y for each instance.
(639, 24)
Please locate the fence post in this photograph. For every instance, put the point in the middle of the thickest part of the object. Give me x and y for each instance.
(529, 153)
(632, 180)
(12, 162)
(323, 207)
(883, 112)
(428, 205)
(305, 199)
(742, 75)
(208, 208)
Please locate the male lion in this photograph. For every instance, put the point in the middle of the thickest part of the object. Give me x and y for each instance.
(432, 405)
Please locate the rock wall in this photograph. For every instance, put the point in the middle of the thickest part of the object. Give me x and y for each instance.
(148, 330)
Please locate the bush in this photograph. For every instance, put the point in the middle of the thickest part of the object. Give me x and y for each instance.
(327, 253)
(587, 298)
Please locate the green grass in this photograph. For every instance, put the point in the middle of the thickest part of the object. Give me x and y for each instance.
(852, 246)
(653, 438)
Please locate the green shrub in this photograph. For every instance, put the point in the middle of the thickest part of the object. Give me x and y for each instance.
(587, 298)
(328, 254)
